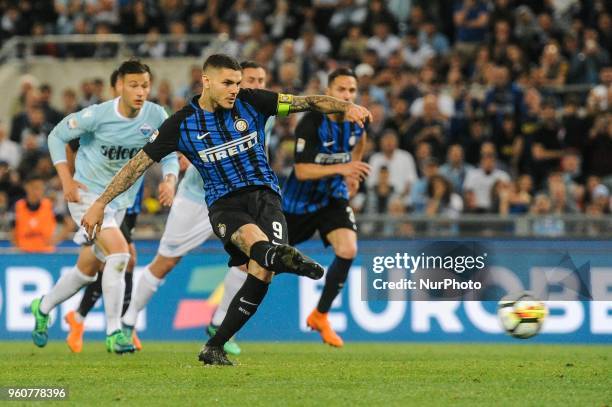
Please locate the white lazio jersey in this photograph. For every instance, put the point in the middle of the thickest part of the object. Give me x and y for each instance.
(108, 141)
(192, 186)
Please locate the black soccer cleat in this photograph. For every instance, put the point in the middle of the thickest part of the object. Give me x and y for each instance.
(295, 262)
(214, 355)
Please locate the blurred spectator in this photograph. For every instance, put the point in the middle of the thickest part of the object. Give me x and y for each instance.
(597, 100)
(34, 224)
(383, 42)
(281, 20)
(545, 224)
(430, 127)
(441, 198)
(521, 196)
(554, 67)
(503, 98)
(383, 193)
(52, 116)
(547, 149)
(10, 152)
(455, 169)
(599, 147)
(416, 53)
(354, 45)
(434, 39)
(378, 12)
(400, 164)
(420, 189)
(481, 180)
(586, 64)
(471, 20)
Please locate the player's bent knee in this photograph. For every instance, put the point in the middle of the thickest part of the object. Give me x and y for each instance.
(347, 250)
(163, 265)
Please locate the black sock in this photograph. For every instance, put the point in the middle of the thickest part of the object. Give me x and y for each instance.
(264, 254)
(92, 293)
(334, 281)
(243, 306)
(127, 295)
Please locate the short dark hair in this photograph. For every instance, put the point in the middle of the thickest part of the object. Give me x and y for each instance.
(221, 61)
(33, 177)
(251, 64)
(132, 66)
(113, 78)
(340, 72)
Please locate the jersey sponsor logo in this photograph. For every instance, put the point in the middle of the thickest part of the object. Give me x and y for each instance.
(336, 158)
(229, 149)
(241, 125)
(328, 143)
(118, 152)
(146, 130)
(153, 136)
(202, 135)
(301, 143)
(72, 123)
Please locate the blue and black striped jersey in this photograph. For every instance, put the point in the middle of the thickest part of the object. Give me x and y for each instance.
(226, 146)
(319, 140)
(137, 206)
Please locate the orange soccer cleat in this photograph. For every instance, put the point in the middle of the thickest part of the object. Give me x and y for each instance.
(136, 341)
(318, 321)
(75, 335)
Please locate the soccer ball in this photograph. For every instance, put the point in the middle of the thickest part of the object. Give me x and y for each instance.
(521, 315)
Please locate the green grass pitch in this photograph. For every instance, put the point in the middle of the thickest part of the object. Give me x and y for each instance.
(313, 374)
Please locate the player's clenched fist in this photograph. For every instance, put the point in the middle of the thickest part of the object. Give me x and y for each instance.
(358, 114)
(92, 220)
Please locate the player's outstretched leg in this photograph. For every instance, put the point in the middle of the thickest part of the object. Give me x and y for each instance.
(234, 279)
(68, 284)
(344, 242)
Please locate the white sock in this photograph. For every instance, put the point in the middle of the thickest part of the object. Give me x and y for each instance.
(113, 287)
(68, 284)
(234, 279)
(145, 288)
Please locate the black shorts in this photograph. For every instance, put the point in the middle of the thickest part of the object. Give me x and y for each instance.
(127, 226)
(258, 205)
(337, 215)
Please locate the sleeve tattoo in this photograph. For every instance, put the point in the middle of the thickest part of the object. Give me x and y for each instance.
(319, 103)
(126, 177)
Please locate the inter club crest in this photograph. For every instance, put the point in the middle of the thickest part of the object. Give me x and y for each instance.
(241, 125)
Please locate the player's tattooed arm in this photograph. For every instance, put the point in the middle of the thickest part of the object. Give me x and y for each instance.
(319, 103)
(126, 177)
(327, 104)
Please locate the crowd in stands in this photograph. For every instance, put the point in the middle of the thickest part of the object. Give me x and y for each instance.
(482, 107)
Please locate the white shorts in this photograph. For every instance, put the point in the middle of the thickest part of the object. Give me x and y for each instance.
(187, 227)
(112, 217)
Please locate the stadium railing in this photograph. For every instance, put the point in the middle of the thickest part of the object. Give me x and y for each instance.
(574, 226)
(22, 47)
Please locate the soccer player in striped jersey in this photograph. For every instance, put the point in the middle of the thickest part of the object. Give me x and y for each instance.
(110, 134)
(187, 227)
(221, 132)
(328, 154)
